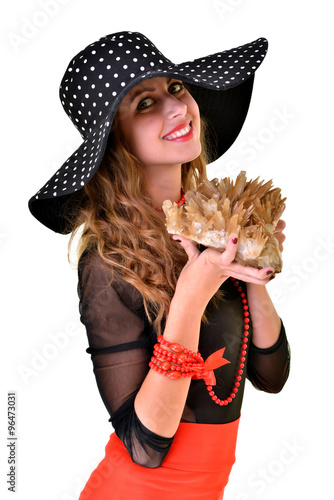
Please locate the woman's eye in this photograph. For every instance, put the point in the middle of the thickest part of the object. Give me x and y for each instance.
(144, 103)
(176, 87)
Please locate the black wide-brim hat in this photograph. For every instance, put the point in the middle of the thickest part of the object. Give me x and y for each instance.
(98, 78)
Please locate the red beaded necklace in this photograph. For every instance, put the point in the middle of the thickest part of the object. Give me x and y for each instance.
(179, 203)
(174, 361)
(242, 359)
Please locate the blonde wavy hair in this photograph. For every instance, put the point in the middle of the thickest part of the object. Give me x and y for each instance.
(117, 220)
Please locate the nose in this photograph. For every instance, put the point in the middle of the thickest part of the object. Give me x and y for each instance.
(173, 107)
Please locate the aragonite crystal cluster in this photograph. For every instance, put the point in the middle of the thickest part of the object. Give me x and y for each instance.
(218, 208)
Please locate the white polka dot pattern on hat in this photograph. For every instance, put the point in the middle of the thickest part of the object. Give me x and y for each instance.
(98, 78)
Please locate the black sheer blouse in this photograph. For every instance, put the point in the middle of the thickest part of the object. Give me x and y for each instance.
(121, 344)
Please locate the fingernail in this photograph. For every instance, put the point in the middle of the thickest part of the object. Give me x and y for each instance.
(234, 241)
(272, 277)
(177, 239)
(269, 272)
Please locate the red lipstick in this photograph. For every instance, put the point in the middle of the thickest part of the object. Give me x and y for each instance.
(181, 132)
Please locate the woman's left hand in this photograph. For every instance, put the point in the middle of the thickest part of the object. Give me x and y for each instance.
(278, 233)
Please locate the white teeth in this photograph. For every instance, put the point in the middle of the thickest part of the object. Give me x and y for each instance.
(179, 133)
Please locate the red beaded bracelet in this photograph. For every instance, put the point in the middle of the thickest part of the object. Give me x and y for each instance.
(174, 361)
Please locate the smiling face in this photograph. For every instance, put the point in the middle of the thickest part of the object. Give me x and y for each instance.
(160, 122)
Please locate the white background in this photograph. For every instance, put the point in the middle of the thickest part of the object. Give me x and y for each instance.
(62, 425)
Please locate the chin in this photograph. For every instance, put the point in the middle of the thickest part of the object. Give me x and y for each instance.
(195, 155)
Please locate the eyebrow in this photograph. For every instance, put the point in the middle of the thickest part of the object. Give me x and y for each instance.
(146, 89)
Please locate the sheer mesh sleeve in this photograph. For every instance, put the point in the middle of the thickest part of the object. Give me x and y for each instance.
(268, 369)
(120, 344)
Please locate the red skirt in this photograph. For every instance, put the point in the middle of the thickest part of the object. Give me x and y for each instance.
(197, 467)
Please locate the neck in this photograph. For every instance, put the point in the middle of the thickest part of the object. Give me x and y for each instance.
(163, 184)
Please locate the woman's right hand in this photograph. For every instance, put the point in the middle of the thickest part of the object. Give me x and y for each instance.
(205, 271)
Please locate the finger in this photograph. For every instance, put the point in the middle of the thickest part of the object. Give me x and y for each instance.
(253, 280)
(278, 233)
(280, 226)
(231, 249)
(250, 274)
(189, 247)
(280, 238)
(266, 273)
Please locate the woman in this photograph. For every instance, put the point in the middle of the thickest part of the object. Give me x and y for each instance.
(151, 302)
